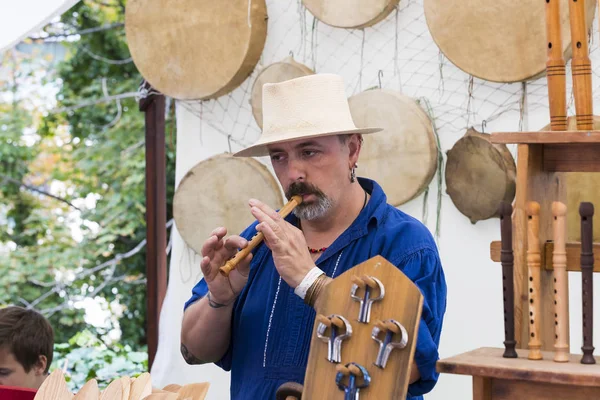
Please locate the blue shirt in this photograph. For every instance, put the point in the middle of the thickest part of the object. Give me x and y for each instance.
(272, 327)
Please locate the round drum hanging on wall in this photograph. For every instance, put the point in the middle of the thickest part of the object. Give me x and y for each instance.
(215, 192)
(497, 40)
(350, 13)
(275, 73)
(195, 49)
(403, 157)
(480, 175)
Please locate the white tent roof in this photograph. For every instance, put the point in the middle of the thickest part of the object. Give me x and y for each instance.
(18, 19)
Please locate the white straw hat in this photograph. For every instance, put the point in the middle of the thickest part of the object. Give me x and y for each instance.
(301, 108)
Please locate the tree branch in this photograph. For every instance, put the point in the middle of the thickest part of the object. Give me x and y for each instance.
(104, 59)
(34, 189)
(96, 101)
(81, 32)
(109, 279)
(103, 3)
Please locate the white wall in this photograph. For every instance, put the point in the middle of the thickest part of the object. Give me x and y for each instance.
(402, 48)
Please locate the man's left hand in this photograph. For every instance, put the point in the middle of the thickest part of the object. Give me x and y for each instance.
(290, 251)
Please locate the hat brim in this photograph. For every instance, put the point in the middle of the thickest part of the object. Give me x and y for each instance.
(259, 149)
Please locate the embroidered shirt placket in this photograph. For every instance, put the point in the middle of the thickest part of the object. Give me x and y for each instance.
(269, 326)
(275, 303)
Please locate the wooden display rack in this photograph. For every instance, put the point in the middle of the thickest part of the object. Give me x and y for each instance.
(543, 159)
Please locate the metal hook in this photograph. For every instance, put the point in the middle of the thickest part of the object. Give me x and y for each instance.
(379, 75)
(229, 143)
(483, 125)
(291, 53)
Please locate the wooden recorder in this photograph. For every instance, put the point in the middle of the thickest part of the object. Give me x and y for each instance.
(561, 283)
(232, 264)
(533, 267)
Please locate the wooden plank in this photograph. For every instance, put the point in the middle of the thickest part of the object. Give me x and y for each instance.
(482, 388)
(513, 389)
(488, 362)
(574, 157)
(156, 217)
(541, 137)
(573, 255)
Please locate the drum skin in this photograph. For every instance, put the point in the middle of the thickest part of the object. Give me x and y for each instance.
(215, 192)
(195, 49)
(403, 157)
(479, 176)
(497, 40)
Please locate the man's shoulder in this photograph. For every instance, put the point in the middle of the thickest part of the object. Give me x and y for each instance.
(400, 232)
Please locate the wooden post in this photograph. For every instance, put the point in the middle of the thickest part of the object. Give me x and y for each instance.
(156, 216)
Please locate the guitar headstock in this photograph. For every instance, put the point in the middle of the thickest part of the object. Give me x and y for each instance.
(365, 332)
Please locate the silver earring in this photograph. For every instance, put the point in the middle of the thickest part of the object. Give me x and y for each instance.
(352, 175)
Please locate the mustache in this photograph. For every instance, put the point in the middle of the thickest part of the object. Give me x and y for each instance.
(300, 188)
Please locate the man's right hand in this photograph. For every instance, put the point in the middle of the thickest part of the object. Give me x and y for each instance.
(216, 251)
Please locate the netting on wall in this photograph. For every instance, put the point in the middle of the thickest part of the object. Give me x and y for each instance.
(397, 53)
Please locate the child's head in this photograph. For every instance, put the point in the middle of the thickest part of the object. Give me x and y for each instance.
(26, 347)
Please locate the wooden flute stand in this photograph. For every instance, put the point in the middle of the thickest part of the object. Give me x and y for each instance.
(543, 160)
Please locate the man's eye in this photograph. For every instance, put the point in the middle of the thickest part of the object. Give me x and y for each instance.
(309, 153)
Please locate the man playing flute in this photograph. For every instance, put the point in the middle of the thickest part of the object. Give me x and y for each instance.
(255, 322)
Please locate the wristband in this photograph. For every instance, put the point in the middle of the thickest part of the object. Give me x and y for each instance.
(307, 282)
(214, 304)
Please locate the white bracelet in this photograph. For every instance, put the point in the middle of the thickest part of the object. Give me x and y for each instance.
(307, 282)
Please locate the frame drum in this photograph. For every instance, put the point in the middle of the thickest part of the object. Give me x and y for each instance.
(497, 40)
(195, 49)
(480, 175)
(350, 13)
(403, 157)
(215, 192)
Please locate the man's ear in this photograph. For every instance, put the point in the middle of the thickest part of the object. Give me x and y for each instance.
(354, 146)
(40, 365)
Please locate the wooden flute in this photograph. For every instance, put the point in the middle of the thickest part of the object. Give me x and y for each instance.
(586, 212)
(581, 66)
(232, 263)
(507, 260)
(561, 284)
(555, 68)
(534, 270)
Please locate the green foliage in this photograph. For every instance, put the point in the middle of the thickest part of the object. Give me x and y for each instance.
(86, 357)
(95, 154)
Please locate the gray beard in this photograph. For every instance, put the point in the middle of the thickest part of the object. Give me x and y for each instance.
(315, 210)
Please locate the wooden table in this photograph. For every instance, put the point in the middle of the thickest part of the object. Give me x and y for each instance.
(498, 378)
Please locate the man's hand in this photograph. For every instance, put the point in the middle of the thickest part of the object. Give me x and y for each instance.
(287, 243)
(216, 251)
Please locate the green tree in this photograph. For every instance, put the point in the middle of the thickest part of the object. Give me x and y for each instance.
(95, 151)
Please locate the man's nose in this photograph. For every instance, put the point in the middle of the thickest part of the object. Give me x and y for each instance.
(296, 171)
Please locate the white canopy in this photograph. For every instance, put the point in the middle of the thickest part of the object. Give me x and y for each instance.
(18, 19)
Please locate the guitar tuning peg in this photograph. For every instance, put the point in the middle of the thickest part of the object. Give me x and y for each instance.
(395, 336)
(339, 330)
(370, 285)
